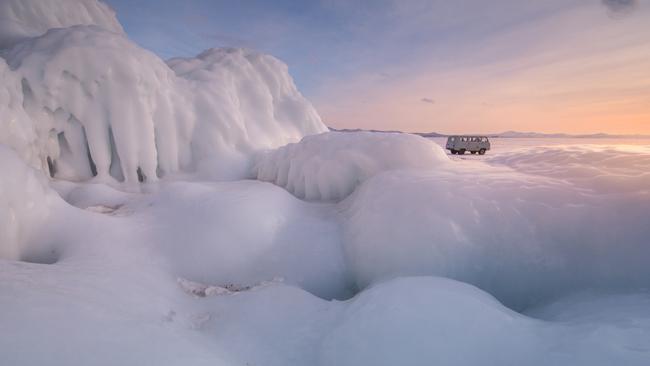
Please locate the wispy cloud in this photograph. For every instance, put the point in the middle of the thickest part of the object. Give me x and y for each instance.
(620, 6)
(570, 70)
(491, 65)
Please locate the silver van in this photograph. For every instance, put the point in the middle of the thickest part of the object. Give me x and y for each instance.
(474, 144)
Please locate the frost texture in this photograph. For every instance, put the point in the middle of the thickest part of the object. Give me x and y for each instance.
(330, 166)
(100, 105)
(21, 19)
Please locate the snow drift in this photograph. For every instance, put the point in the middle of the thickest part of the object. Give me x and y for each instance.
(523, 238)
(331, 165)
(244, 233)
(21, 19)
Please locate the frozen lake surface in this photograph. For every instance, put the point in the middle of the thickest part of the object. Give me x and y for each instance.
(500, 145)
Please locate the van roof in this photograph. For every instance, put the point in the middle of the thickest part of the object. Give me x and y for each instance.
(468, 136)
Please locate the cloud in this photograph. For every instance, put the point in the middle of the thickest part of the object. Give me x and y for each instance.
(581, 76)
(620, 6)
(428, 100)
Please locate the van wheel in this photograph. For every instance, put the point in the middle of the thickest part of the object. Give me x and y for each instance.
(481, 152)
(461, 152)
(453, 152)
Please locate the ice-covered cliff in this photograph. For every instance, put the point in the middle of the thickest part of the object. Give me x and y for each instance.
(85, 101)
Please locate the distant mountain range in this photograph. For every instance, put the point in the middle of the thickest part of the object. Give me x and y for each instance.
(517, 134)
(514, 134)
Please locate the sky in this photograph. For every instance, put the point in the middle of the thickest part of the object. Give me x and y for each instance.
(456, 66)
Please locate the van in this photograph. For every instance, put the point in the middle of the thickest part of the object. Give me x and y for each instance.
(474, 144)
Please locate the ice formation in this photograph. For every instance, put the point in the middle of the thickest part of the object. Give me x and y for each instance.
(17, 130)
(22, 19)
(85, 101)
(170, 273)
(241, 102)
(331, 165)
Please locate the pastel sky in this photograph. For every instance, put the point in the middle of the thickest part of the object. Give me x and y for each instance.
(456, 66)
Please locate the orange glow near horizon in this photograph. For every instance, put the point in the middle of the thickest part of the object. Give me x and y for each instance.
(568, 79)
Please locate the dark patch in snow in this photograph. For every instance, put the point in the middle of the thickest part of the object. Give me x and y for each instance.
(200, 290)
(91, 162)
(107, 210)
(141, 176)
(50, 256)
(51, 166)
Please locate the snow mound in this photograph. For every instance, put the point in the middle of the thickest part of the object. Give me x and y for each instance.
(23, 201)
(243, 233)
(429, 321)
(422, 321)
(21, 19)
(521, 237)
(100, 105)
(331, 165)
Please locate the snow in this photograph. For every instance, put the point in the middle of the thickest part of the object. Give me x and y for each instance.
(23, 197)
(603, 169)
(243, 272)
(337, 249)
(17, 130)
(522, 237)
(98, 104)
(331, 165)
(217, 241)
(22, 19)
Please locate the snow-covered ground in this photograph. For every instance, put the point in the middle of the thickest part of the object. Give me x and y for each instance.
(496, 261)
(195, 212)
